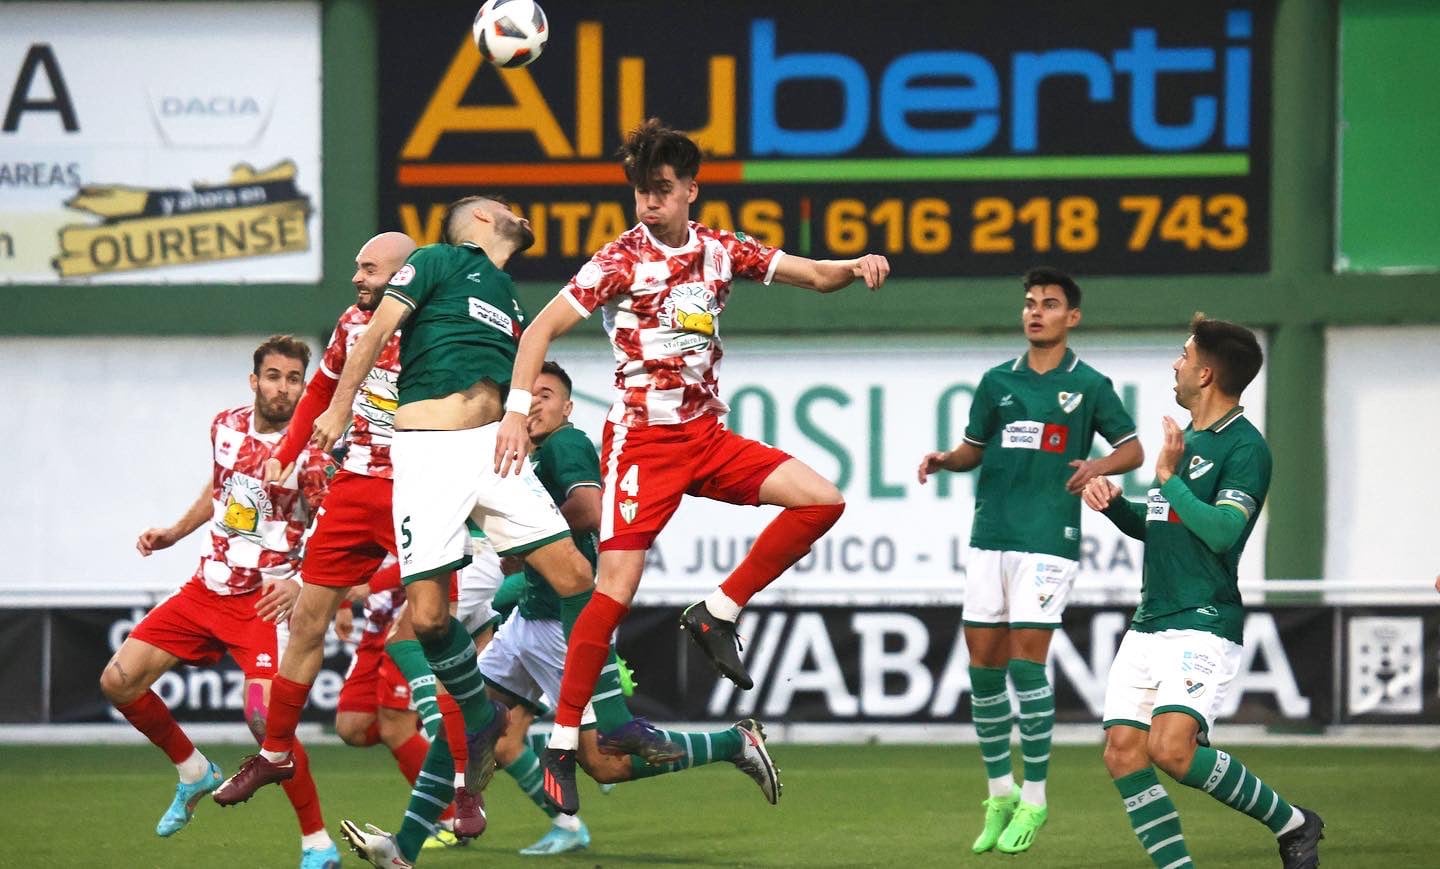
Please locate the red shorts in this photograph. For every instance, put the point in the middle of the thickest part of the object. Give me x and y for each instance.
(647, 470)
(353, 533)
(199, 626)
(373, 681)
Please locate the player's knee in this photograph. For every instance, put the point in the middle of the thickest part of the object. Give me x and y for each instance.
(1171, 753)
(431, 627)
(829, 494)
(1123, 757)
(352, 730)
(116, 687)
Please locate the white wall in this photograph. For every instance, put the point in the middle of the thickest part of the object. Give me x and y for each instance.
(1382, 428)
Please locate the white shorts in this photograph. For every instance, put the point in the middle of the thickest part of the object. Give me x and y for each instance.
(1018, 589)
(479, 581)
(526, 659)
(1170, 671)
(443, 478)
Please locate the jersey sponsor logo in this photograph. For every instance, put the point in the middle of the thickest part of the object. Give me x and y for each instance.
(1070, 400)
(403, 277)
(687, 343)
(690, 307)
(1022, 434)
(1197, 662)
(491, 316)
(379, 398)
(1157, 508)
(1054, 438)
(246, 502)
(1199, 467)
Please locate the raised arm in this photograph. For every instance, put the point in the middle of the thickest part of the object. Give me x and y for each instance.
(512, 443)
(363, 355)
(829, 275)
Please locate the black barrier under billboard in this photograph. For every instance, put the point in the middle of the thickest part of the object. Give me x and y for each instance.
(1125, 137)
(909, 665)
(60, 682)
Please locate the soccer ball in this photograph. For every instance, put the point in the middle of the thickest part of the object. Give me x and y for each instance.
(510, 32)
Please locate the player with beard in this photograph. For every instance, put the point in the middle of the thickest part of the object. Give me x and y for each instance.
(243, 589)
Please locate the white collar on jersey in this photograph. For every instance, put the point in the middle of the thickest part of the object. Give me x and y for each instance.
(690, 241)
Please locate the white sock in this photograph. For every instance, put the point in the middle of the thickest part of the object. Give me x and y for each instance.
(317, 839)
(459, 779)
(275, 756)
(568, 823)
(562, 737)
(1296, 819)
(193, 768)
(1033, 792)
(1003, 786)
(722, 607)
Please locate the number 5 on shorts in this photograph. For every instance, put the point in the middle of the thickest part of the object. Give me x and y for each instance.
(405, 538)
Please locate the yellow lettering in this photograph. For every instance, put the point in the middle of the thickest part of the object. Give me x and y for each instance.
(716, 215)
(570, 214)
(589, 84)
(762, 219)
(444, 113)
(609, 222)
(717, 137)
(410, 222)
(540, 228)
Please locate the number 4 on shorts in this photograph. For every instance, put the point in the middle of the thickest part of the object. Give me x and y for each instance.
(630, 482)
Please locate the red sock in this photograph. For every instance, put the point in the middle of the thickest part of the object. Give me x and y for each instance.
(783, 542)
(300, 790)
(287, 700)
(372, 733)
(411, 756)
(453, 724)
(149, 715)
(585, 655)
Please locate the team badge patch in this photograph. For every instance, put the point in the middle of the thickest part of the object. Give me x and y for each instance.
(403, 277)
(1199, 467)
(1070, 400)
(628, 508)
(1193, 688)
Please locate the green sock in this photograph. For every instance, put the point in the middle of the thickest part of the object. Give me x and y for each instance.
(611, 710)
(1037, 716)
(409, 658)
(452, 660)
(538, 741)
(570, 608)
(990, 710)
(1153, 818)
(700, 749)
(434, 789)
(525, 769)
(1227, 780)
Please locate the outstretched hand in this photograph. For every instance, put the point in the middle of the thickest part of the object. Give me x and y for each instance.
(872, 268)
(1098, 493)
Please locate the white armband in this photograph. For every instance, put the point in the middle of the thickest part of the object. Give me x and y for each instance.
(518, 401)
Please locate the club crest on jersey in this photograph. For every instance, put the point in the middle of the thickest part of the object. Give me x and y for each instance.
(689, 308)
(1199, 467)
(628, 508)
(1193, 688)
(246, 501)
(1070, 400)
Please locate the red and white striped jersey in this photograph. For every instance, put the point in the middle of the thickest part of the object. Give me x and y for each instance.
(256, 530)
(661, 309)
(375, 402)
(381, 608)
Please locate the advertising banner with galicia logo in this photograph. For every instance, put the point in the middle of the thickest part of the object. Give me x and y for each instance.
(1125, 137)
(158, 143)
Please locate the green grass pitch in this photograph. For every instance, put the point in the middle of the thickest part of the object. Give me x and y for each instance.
(843, 806)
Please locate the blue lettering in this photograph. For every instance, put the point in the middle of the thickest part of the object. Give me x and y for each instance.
(899, 98)
(1145, 61)
(1031, 69)
(767, 72)
(1237, 81)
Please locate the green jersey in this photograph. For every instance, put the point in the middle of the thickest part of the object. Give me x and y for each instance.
(1187, 584)
(1031, 426)
(564, 461)
(464, 321)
